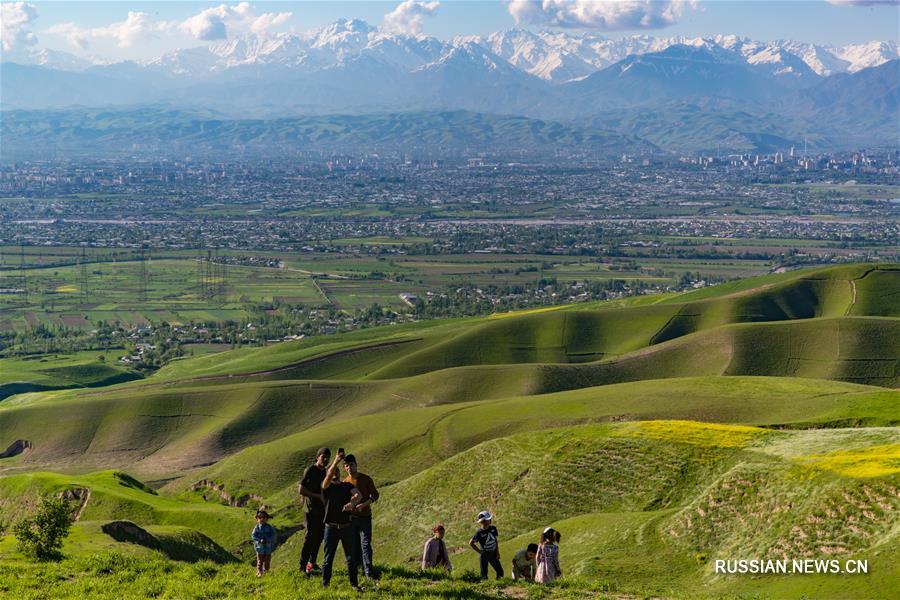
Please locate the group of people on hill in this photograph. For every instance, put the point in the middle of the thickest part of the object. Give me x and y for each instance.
(536, 562)
(338, 512)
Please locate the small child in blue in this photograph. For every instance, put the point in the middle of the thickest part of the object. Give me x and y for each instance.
(485, 543)
(264, 542)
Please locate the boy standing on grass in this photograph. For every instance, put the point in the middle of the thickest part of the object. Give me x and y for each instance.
(486, 538)
(263, 536)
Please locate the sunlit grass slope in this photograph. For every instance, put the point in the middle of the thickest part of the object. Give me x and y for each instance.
(754, 419)
(116, 495)
(651, 505)
(645, 508)
(399, 443)
(579, 336)
(41, 372)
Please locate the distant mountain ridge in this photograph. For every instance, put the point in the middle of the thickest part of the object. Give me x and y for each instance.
(780, 93)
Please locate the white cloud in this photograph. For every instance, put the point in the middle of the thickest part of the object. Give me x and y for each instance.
(222, 21)
(606, 15)
(214, 23)
(261, 24)
(407, 17)
(75, 35)
(15, 17)
(138, 27)
(864, 2)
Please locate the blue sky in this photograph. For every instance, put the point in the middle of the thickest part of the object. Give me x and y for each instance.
(105, 29)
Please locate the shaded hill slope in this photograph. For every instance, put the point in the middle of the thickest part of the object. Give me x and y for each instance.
(400, 443)
(166, 429)
(579, 336)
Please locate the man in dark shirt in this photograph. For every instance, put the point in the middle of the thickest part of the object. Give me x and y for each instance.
(361, 517)
(340, 499)
(311, 490)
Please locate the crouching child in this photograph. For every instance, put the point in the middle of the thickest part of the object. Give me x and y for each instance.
(523, 564)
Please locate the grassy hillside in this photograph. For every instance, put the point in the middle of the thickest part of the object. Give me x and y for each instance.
(728, 482)
(578, 336)
(680, 492)
(169, 431)
(400, 443)
(82, 369)
(566, 334)
(114, 495)
(758, 419)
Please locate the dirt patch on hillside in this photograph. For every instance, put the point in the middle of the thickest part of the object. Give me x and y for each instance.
(16, 448)
(219, 490)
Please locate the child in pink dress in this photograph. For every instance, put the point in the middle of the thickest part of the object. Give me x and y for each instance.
(547, 557)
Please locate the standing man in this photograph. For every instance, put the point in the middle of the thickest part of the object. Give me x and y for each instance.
(361, 517)
(311, 489)
(340, 499)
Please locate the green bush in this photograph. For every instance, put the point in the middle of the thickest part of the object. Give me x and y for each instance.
(41, 536)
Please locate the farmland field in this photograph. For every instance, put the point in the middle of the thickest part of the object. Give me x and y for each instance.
(109, 287)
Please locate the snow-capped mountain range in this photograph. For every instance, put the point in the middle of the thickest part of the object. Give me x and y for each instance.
(553, 56)
(673, 92)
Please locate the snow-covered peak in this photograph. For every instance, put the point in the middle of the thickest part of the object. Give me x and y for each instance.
(283, 48)
(552, 55)
(870, 54)
(778, 62)
(343, 35)
(51, 59)
(185, 62)
(560, 56)
(468, 62)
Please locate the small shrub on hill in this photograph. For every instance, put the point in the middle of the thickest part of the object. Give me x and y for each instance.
(41, 536)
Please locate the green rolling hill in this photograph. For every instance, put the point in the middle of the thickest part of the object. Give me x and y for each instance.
(757, 417)
(41, 373)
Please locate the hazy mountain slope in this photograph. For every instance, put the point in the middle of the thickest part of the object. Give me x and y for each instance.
(93, 130)
(26, 86)
(689, 127)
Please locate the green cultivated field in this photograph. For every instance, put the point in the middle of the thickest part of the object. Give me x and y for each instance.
(56, 295)
(172, 294)
(757, 419)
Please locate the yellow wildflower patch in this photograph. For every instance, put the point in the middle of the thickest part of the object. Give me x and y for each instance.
(694, 433)
(873, 461)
